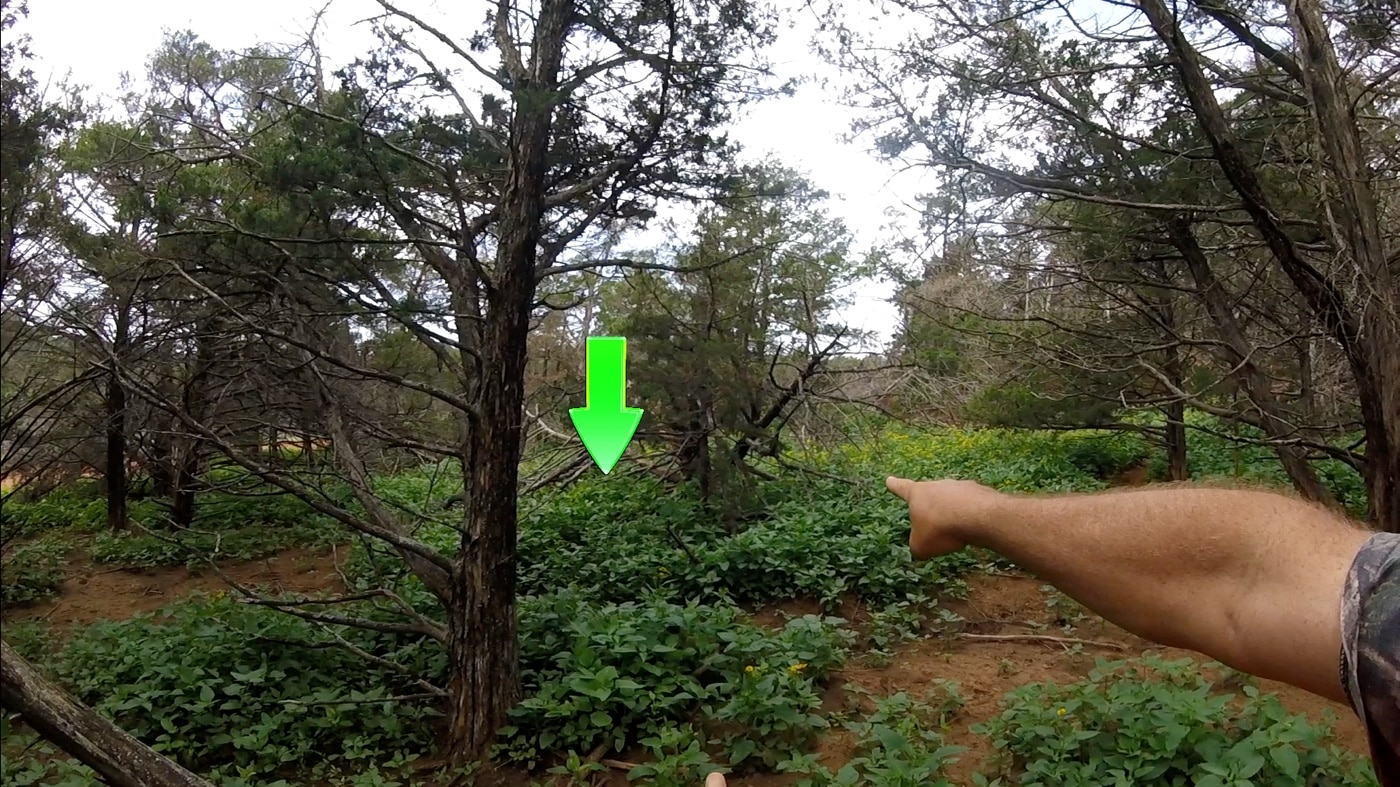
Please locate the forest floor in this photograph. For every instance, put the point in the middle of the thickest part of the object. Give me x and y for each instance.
(996, 650)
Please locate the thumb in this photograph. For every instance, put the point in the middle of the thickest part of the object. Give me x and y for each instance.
(900, 486)
(715, 779)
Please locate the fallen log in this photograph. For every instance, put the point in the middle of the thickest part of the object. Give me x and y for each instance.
(121, 760)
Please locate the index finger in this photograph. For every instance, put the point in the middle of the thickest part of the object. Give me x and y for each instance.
(900, 486)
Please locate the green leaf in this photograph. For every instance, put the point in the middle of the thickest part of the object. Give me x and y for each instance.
(1286, 758)
(740, 750)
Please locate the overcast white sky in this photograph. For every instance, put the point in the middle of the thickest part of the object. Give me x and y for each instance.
(95, 41)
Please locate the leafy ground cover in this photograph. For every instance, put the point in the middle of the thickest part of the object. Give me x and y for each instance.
(42, 536)
(657, 644)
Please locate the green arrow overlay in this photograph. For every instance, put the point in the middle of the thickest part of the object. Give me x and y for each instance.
(606, 426)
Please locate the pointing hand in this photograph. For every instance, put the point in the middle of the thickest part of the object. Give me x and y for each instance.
(942, 512)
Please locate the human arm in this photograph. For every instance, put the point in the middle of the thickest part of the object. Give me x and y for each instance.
(1251, 579)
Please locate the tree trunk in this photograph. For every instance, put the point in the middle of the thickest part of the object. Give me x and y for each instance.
(117, 757)
(162, 477)
(1370, 353)
(1177, 467)
(182, 503)
(189, 450)
(1252, 380)
(1356, 215)
(483, 646)
(693, 457)
(1307, 387)
(1175, 411)
(1383, 479)
(483, 650)
(115, 476)
(1382, 430)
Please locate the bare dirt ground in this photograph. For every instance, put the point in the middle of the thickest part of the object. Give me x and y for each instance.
(984, 669)
(93, 592)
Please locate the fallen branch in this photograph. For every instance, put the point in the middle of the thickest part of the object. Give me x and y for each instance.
(114, 754)
(339, 569)
(566, 474)
(681, 543)
(423, 625)
(599, 751)
(431, 690)
(812, 471)
(399, 698)
(1045, 638)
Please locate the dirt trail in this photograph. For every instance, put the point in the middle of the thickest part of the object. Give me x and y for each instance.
(92, 592)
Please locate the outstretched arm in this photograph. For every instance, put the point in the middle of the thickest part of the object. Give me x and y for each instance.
(1251, 579)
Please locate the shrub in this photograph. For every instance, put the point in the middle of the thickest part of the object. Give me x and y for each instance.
(1020, 406)
(899, 744)
(680, 755)
(1011, 460)
(33, 572)
(30, 639)
(38, 762)
(233, 690)
(59, 509)
(624, 539)
(248, 541)
(628, 672)
(1167, 727)
(1104, 454)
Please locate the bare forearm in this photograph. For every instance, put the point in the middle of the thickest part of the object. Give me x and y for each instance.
(1249, 578)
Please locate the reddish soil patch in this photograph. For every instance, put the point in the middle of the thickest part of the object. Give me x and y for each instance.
(92, 592)
(985, 670)
(777, 615)
(1134, 476)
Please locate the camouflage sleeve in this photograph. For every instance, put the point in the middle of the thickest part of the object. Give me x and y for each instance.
(1371, 649)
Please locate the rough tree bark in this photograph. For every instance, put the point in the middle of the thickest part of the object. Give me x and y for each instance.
(1174, 367)
(1370, 354)
(114, 476)
(1355, 223)
(183, 500)
(1307, 387)
(1178, 468)
(189, 453)
(1175, 410)
(482, 646)
(117, 757)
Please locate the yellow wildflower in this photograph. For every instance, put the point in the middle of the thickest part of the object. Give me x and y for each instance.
(796, 669)
(1061, 711)
(749, 669)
